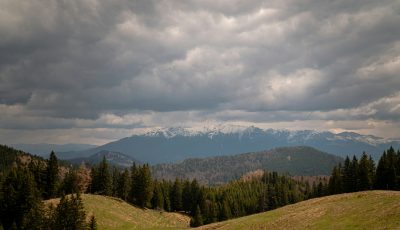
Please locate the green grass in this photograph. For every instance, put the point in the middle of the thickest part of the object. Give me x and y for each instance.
(113, 213)
(362, 210)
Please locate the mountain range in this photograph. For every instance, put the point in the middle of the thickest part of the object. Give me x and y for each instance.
(169, 145)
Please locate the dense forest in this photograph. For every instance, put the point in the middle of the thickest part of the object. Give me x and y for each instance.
(26, 181)
(294, 160)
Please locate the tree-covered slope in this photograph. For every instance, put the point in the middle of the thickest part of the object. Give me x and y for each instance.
(298, 161)
(361, 210)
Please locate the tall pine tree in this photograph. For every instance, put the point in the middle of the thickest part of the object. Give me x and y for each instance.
(52, 177)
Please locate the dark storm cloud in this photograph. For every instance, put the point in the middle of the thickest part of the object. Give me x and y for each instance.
(67, 64)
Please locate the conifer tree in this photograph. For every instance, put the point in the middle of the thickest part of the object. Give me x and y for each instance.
(381, 173)
(335, 182)
(52, 177)
(176, 195)
(364, 174)
(225, 211)
(103, 178)
(123, 185)
(186, 196)
(143, 187)
(70, 214)
(347, 176)
(70, 183)
(133, 191)
(114, 181)
(197, 220)
(20, 205)
(157, 200)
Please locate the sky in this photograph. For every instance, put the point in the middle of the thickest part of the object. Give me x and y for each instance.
(93, 71)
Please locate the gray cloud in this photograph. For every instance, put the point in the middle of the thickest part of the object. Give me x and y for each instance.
(83, 64)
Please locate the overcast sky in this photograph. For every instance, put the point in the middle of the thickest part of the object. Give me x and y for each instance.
(91, 71)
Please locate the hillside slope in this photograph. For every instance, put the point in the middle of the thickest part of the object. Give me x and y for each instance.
(113, 213)
(361, 210)
(299, 161)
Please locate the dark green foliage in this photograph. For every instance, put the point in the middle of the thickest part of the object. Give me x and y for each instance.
(70, 182)
(123, 185)
(52, 177)
(176, 196)
(365, 173)
(114, 181)
(186, 196)
(336, 180)
(157, 202)
(101, 179)
(133, 188)
(361, 175)
(142, 186)
(387, 176)
(197, 219)
(20, 202)
(70, 214)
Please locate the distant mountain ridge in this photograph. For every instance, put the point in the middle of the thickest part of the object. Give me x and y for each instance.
(44, 149)
(113, 158)
(168, 145)
(296, 161)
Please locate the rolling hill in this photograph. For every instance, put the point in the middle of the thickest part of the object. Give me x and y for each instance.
(299, 161)
(113, 213)
(361, 210)
(169, 145)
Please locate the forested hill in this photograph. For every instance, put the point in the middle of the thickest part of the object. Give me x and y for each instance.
(298, 161)
(9, 156)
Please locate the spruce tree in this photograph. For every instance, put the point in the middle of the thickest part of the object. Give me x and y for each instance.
(133, 191)
(335, 182)
(197, 220)
(365, 179)
(176, 195)
(157, 201)
(52, 177)
(70, 214)
(123, 185)
(346, 175)
(104, 178)
(186, 196)
(70, 183)
(115, 176)
(381, 172)
(143, 187)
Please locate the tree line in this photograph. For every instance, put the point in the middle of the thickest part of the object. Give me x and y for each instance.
(25, 183)
(363, 174)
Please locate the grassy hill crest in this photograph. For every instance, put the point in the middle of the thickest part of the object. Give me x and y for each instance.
(114, 213)
(361, 210)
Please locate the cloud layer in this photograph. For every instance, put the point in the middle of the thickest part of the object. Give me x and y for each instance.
(73, 71)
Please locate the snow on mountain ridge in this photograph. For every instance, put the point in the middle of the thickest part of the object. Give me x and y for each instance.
(251, 131)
